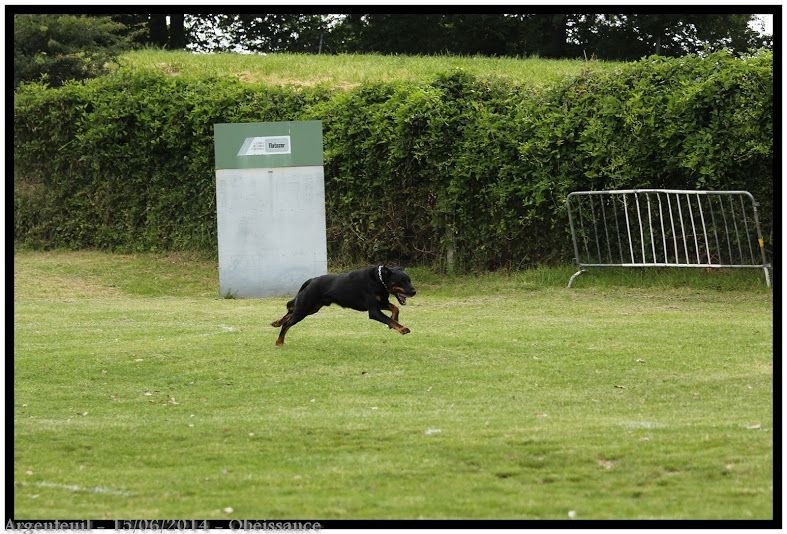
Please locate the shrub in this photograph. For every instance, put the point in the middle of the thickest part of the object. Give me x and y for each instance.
(459, 173)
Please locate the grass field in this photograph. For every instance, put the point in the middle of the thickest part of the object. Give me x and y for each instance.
(139, 393)
(349, 70)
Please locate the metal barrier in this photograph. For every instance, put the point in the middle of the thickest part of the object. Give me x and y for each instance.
(665, 228)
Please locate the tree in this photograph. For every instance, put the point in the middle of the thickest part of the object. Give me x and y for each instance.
(158, 30)
(466, 34)
(346, 33)
(632, 36)
(257, 32)
(553, 35)
(488, 35)
(57, 48)
(163, 35)
(177, 31)
(135, 27)
(541, 34)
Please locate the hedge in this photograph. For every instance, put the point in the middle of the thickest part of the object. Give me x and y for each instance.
(461, 172)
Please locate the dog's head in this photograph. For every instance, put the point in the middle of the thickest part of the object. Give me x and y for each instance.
(398, 283)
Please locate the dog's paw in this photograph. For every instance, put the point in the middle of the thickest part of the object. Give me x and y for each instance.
(276, 324)
(404, 330)
(279, 342)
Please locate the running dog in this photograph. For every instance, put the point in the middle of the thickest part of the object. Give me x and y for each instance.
(362, 290)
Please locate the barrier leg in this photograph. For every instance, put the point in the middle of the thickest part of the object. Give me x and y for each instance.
(574, 276)
(767, 277)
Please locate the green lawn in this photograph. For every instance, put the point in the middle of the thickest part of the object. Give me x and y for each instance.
(139, 393)
(349, 70)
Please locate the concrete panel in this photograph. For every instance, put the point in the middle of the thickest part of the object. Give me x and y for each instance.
(271, 229)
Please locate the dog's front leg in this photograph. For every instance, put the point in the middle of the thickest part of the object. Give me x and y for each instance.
(394, 313)
(378, 315)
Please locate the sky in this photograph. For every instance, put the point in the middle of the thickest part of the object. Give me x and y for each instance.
(767, 24)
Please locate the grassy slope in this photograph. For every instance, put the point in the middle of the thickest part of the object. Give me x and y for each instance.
(138, 393)
(346, 71)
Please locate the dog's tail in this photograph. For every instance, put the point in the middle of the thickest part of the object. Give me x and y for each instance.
(290, 307)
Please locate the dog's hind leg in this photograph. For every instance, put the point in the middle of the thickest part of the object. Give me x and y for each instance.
(290, 306)
(294, 318)
(281, 321)
(289, 323)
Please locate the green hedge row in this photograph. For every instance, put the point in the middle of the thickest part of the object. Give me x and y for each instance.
(461, 172)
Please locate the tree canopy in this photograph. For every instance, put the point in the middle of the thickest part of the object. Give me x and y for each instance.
(606, 36)
(56, 48)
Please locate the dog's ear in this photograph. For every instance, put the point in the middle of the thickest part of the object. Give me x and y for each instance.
(385, 272)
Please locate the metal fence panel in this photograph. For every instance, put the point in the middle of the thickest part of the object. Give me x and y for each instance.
(665, 228)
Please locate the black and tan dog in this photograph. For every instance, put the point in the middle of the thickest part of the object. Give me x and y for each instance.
(362, 290)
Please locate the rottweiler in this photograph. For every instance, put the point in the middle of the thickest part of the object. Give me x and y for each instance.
(362, 290)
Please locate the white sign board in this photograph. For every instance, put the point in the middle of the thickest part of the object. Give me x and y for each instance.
(270, 207)
(271, 230)
(265, 146)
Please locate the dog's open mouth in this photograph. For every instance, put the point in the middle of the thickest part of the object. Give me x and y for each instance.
(401, 295)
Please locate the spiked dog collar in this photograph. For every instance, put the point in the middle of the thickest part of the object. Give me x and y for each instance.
(380, 276)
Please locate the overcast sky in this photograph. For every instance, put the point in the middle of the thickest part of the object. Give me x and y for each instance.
(767, 24)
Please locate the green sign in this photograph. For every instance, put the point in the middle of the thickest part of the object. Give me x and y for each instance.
(262, 145)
